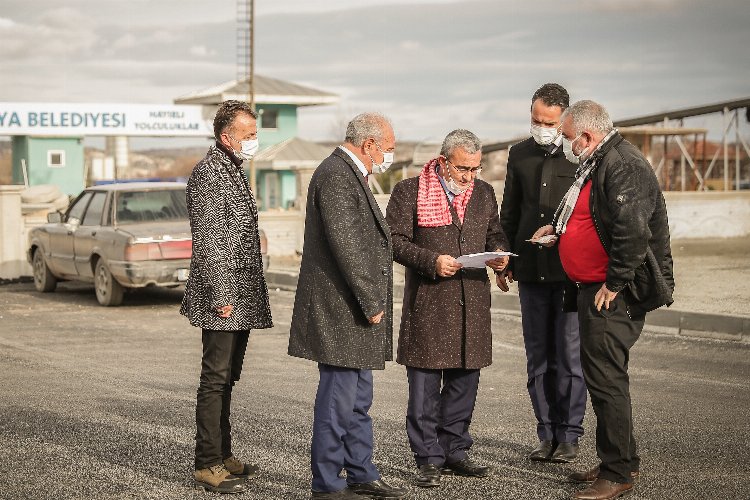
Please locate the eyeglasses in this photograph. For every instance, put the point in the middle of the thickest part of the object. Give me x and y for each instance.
(465, 170)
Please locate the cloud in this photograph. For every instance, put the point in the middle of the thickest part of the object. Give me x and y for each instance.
(630, 5)
(201, 51)
(431, 66)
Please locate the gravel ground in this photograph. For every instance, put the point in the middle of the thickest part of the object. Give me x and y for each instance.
(712, 275)
(99, 403)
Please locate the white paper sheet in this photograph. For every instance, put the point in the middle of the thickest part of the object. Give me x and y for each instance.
(543, 239)
(477, 260)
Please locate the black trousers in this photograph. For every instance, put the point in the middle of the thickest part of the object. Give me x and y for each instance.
(606, 339)
(441, 404)
(553, 362)
(223, 353)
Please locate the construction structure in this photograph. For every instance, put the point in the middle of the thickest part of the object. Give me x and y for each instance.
(682, 163)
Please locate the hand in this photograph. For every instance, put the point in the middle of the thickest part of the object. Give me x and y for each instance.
(374, 320)
(604, 297)
(503, 280)
(498, 263)
(447, 266)
(547, 230)
(225, 311)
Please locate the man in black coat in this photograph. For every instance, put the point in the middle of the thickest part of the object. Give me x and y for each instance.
(343, 308)
(226, 293)
(538, 177)
(614, 244)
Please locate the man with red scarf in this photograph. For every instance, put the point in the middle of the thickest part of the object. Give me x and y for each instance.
(445, 336)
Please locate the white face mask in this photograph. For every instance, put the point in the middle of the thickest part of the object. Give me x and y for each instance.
(455, 188)
(451, 184)
(568, 150)
(379, 168)
(544, 136)
(249, 148)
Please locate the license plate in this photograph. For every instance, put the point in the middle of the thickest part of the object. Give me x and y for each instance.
(182, 274)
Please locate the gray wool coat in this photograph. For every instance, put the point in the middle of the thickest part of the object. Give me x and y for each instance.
(346, 274)
(445, 322)
(226, 266)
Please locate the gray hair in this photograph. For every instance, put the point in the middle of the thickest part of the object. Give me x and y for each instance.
(460, 138)
(589, 116)
(366, 125)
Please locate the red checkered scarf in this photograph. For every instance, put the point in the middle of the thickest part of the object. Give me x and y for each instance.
(432, 202)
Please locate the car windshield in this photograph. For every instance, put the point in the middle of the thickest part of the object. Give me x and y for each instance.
(151, 206)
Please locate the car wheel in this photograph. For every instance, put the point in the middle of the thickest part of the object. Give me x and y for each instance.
(108, 291)
(44, 280)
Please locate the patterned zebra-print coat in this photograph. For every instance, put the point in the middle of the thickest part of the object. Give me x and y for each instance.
(226, 266)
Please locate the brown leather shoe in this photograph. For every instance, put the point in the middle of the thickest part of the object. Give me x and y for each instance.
(591, 475)
(218, 479)
(240, 469)
(601, 489)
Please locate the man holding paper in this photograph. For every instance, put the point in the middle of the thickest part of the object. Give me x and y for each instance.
(445, 336)
(537, 179)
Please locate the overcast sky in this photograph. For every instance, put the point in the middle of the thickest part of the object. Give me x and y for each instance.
(431, 65)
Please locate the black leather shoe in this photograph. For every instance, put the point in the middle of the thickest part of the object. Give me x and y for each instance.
(428, 476)
(467, 467)
(565, 452)
(345, 494)
(542, 452)
(378, 489)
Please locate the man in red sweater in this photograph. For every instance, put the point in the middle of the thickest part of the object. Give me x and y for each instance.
(613, 238)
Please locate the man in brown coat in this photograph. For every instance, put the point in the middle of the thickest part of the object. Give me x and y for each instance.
(445, 336)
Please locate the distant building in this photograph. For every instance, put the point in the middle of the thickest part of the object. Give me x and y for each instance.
(279, 173)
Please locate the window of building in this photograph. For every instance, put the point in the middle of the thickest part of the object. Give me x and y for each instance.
(55, 158)
(272, 191)
(269, 118)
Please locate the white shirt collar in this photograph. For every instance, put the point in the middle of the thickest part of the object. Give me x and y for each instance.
(357, 161)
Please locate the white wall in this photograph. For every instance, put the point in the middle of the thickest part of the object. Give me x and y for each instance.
(12, 234)
(708, 214)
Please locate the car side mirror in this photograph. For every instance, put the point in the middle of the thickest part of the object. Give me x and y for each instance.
(54, 217)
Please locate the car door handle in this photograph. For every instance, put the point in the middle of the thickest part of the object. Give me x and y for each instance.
(70, 232)
(93, 233)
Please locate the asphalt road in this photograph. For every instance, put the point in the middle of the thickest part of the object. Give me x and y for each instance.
(99, 403)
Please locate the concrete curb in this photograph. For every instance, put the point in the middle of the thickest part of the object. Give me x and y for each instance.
(664, 321)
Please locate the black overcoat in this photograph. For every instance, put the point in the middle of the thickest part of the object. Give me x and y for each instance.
(346, 274)
(536, 182)
(445, 322)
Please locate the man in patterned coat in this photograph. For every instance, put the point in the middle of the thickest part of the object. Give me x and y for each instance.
(445, 336)
(343, 309)
(226, 294)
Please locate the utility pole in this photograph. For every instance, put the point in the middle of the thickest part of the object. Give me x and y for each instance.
(251, 85)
